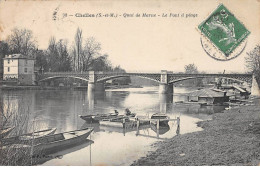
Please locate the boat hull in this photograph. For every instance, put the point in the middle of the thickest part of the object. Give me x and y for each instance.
(89, 119)
(55, 146)
(28, 138)
(5, 132)
(162, 123)
(118, 124)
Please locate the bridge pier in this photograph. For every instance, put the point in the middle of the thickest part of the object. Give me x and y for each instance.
(165, 88)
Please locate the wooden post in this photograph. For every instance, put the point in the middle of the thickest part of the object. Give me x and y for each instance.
(137, 126)
(124, 123)
(178, 126)
(178, 121)
(158, 124)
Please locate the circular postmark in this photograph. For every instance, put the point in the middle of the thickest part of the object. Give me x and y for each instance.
(213, 52)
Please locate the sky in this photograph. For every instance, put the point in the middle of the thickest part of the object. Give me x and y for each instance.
(137, 44)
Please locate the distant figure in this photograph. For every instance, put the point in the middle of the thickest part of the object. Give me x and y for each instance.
(116, 112)
(127, 112)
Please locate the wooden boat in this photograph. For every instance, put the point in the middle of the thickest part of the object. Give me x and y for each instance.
(121, 122)
(129, 113)
(55, 142)
(106, 116)
(163, 119)
(89, 118)
(25, 138)
(5, 132)
(95, 118)
(161, 130)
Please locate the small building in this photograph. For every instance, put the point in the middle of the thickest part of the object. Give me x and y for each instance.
(212, 96)
(19, 68)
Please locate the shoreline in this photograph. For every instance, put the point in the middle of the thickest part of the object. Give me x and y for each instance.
(230, 138)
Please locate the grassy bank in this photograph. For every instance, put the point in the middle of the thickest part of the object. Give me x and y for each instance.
(231, 138)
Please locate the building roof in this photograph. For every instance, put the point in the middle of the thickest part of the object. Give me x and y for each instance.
(18, 56)
(207, 93)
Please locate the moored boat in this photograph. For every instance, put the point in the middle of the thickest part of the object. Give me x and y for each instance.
(54, 143)
(129, 113)
(5, 132)
(162, 129)
(163, 119)
(121, 121)
(89, 118)
(25, 138)
(95, 118)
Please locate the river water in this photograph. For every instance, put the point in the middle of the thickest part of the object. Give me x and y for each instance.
(106, 145)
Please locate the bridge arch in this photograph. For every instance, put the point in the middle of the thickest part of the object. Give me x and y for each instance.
(119, 76)
(58, 77)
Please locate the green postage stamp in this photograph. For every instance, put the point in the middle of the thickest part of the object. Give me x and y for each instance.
(224, 30)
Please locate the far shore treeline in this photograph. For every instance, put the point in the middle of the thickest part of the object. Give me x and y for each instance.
(83, 54)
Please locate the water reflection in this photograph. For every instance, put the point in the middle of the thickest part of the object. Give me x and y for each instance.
(112, 146)
(166, 101)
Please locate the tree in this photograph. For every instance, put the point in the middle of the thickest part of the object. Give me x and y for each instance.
(51, 55)
(4, 50)
(22, 41)
(41, 60)
(122, 80)
(101, 64)
(78, 50)
(63, 55)
(252, 62)
(57, 56)
(90, 53)
(191, 69)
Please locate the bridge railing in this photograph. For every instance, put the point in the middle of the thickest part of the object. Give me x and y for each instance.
(150, 72)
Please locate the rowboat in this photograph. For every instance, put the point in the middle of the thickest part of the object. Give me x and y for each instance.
(162, 129)
(106, 116)
(89, 118)
(121, 122)
(163, 119)
(26, 138)
(5, 132)
(53, 143)
(95, 118)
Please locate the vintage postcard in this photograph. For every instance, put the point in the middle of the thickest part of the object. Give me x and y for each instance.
(129, 83)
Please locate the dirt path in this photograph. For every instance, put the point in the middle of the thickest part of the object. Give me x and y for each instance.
(231, 138)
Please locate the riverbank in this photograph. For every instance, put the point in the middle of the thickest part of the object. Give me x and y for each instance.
(230, 138)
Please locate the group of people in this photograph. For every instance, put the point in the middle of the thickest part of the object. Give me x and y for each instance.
(127, 112)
